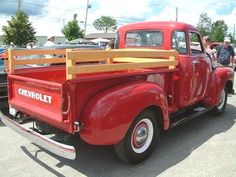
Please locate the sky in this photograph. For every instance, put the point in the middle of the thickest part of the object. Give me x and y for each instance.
(49, 16)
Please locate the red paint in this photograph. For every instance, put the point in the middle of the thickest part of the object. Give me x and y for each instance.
(108, 114)
(107, 103)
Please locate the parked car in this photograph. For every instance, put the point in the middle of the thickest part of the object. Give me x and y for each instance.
(234, 58)
(3, 86)
(2, 53)
(3, 80)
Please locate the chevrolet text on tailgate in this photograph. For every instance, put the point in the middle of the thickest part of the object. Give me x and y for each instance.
(158, 77)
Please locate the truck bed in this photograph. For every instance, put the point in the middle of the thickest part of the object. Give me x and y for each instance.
(57, 94)
(56, 74)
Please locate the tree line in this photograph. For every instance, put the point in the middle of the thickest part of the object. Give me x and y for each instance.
(215, 30)
(20, 31)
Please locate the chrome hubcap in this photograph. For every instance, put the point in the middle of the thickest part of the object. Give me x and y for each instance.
(140, 135)
(222, 99)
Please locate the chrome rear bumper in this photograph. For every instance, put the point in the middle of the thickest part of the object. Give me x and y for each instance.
(55, 147)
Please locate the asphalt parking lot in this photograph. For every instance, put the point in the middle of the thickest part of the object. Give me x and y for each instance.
(202, 147)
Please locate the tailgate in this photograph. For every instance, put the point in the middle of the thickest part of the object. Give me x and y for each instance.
(40, 99)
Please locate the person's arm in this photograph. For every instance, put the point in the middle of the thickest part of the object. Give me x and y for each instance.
(214, 54)
(218, 52)
(232, 54)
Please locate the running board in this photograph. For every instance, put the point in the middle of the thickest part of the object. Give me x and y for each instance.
(195, 113)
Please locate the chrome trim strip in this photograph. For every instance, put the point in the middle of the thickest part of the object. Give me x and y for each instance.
(2, 97)
(57, 148)
(4, 84)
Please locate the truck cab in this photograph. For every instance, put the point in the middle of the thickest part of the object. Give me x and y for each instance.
(192, 81)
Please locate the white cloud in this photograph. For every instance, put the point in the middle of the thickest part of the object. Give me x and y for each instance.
(189, 11)
(229, 19)
(122, 8)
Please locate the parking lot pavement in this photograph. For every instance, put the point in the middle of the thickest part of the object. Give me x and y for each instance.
(205, 146)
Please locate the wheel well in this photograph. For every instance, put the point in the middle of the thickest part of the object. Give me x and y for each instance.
(159, 115)
(229, 86)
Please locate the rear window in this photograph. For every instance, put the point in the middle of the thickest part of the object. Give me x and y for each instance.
(144, 38)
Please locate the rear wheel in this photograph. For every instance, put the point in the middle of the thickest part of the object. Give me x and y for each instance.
(140, 139)
(220, 108)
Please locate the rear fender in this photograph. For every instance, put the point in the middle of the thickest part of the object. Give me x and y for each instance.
(108, 115)
(220, 77)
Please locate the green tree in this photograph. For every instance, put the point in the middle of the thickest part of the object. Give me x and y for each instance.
(204, 25)
(19, 30)
(72, 30)
(233, 40)
(219, 31)
(105, 23)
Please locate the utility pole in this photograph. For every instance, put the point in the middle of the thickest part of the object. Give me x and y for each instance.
(19, 5)
(86, 15)
(176, 14)
(234, 31)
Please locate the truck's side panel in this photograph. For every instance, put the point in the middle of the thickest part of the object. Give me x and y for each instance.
(202, 77)
(108, 115)
(194, 77)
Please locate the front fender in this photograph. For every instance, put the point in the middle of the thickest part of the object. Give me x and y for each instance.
(220, 77)
(108, 115)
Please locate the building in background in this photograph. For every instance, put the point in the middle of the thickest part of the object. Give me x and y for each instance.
(63, 40)
(109, 36)
(43, 39)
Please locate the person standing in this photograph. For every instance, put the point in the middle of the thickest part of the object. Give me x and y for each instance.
(50, 41)
(225, 54)
(206, 42)
(207, 46)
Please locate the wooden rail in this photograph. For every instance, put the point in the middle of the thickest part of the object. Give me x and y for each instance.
(14, 54)
(105, 61)
(118, 60)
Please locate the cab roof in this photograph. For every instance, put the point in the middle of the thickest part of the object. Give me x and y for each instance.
(157, 25)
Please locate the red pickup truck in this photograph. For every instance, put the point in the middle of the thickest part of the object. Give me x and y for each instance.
(158, 77)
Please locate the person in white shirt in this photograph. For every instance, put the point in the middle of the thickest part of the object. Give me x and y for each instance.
(50, 41)
(207, 46)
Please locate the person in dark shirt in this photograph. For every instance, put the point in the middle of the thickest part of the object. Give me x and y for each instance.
(225, 54)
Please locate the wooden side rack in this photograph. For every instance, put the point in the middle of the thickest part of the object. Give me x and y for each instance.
(105, 60)
(15, 54)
